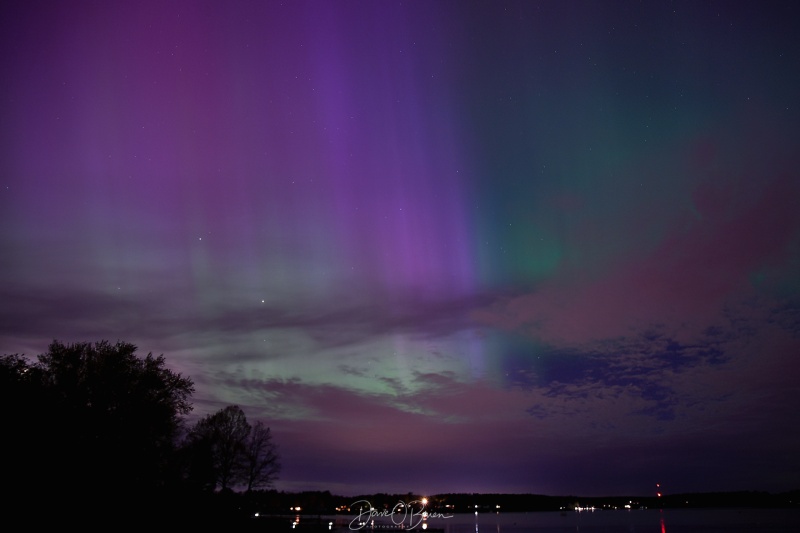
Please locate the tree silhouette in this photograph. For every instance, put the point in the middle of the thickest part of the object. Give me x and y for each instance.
(22, 412)
(260, 462)
(92, 432)
(222, 435)
(99, 424)
(226, 451)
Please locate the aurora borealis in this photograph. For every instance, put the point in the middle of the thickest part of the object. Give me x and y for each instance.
(436, 246)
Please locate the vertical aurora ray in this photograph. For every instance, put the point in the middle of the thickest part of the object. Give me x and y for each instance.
(390, 157)
(391, 163)
(362, 198)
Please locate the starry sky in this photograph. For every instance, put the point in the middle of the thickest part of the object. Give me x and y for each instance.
(436, 246)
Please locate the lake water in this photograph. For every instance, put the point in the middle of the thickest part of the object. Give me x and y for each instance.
(628, 521)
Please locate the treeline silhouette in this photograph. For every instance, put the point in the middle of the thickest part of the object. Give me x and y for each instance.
(324, 503)
(95, 435)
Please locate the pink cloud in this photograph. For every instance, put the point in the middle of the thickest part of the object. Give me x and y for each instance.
(744, 223)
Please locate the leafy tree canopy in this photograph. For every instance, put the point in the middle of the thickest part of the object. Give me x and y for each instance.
(90, 420)
(227, 451)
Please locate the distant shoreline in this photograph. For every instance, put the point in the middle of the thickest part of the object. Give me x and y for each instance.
(324, 503)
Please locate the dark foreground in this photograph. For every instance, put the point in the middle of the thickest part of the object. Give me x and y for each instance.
(270, 511)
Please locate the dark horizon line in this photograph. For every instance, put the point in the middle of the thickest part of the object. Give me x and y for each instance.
(271, 502)
(536, 494)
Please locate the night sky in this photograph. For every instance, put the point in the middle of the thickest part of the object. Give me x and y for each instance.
(436, 246)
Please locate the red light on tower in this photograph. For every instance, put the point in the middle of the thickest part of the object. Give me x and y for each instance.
(658, 489)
